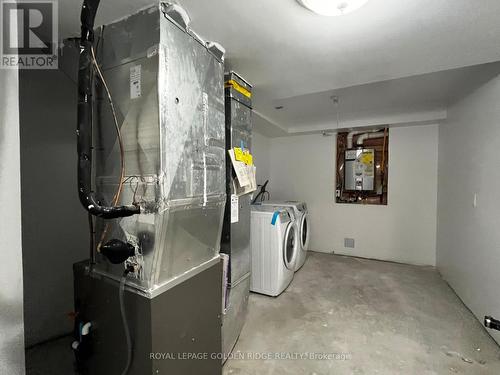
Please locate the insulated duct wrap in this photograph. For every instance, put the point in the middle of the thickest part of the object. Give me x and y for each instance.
(167, 87)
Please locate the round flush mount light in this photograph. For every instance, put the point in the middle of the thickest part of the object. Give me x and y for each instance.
(332, 7)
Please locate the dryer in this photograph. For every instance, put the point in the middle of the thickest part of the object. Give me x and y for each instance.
(274, 247)
(302, 226)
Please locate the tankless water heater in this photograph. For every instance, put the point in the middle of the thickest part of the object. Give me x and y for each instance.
(359, 169)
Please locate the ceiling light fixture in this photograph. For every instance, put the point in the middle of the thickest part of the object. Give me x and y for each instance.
(332, 7)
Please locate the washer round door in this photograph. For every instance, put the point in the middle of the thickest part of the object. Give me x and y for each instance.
(290, 246)
(304, 232)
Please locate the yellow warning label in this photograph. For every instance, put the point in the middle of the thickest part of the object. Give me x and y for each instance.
(235, 85)
(249, 158)
(243, 155)
(367, 158)
(238, 154)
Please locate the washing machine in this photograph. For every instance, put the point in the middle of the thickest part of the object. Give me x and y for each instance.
(302, 226)
(274, 248)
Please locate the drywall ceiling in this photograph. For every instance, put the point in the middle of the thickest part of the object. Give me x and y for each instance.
(416, 99)
(287, 51)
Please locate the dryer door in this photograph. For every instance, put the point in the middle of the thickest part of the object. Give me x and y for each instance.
(304, 232)
(290, 246)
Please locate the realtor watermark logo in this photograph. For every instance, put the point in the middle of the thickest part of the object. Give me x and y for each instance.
(29, 34)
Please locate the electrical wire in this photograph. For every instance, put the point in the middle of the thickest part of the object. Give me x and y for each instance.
(118, 192)
(134, 198)
(126, 327)
(262, 193)
(265, 196)
(90, 217)
(139, 181)
(117, 195)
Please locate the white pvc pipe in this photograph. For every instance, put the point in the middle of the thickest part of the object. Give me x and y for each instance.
(362, 138)
(350, 135)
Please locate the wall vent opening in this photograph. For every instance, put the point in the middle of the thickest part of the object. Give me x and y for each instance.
(349, 242)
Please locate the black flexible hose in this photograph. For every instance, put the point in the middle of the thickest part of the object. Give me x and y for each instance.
(84, 127)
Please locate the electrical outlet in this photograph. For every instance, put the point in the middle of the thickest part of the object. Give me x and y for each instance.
(349, 243)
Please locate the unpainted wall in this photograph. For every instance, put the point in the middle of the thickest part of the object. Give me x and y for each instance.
(11, 276)
(468, 241)
(303, 168)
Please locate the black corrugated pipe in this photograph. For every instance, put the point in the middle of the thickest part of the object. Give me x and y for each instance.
(84, 129)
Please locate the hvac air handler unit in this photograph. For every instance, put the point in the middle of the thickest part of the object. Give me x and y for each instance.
(236, 230)
(151, 173)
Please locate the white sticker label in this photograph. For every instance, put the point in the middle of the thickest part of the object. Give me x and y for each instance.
(235, 206)
(135, 82)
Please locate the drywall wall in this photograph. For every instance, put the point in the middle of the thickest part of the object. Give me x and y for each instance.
(260, 151)
(303, 168)
(11, 277)
(468, 245)
(55, 233)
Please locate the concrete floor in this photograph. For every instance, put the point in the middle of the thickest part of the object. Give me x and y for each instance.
(376, 317)
(386, 318)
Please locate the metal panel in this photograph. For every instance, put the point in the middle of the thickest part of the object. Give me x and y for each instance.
(171, 323)
(240, 243)
(240, 133)
(179, 325)
(239, 88)
(172, 125)
(97, 301)
(236, 236)
(236, 313)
